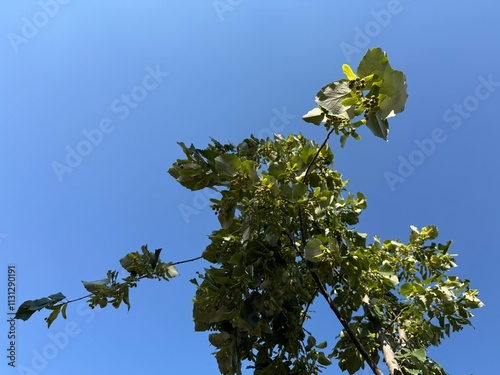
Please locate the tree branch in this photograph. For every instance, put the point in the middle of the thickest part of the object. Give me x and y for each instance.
(337, 313)
(320, 285)
(307, 307)
(387, 351)
(139, 278)
(186, 261)
(344, 323)
(317, 153)
(78, 299)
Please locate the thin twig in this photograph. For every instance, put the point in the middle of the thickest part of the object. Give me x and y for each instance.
(307, 307)
(139, 278)
(78, 299)
(186, 261)
(317, 153)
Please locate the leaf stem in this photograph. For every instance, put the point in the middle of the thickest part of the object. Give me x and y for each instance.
(317, 153)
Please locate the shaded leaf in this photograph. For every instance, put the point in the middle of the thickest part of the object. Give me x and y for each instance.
(28, 308)
(294, 191)
(314, 116)
(377, 125)
(94, 286)
(330, 98)
(392, 83)
(323, 359)
(218, 339)
(63, 310)
(420, 354)
(53, 315)
(227, 164)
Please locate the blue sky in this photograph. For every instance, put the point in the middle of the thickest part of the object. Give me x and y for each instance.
(119, 82)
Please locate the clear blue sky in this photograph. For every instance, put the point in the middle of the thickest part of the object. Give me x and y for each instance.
(147, 74)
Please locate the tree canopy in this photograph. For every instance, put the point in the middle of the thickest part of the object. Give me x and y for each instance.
(288, 235)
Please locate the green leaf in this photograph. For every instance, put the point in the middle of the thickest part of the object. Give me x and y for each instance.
(294, 191)
(277, 170)
(323, 359)
(330, 98)
(420, 354)
(63, 310)
(56, 297)
(95, 286)
(406, 289)
(413, 371)
(125, 296)
(429, 232)
(313, 250)
(227, 164)
(314, 116)
(249, 170)
(155, 258)
(348, 72)
(343, 140)
(392, 82)
(350, 100)
(53, 315)
(211, 316)
(103, 302)
(218, 339)
(28, 308)
(311, 342)
(226, 215)
(395, 89)
(127, 261)
(195, 172)
(25, 311)
(322, 345)
(375, 61)
(378, 126)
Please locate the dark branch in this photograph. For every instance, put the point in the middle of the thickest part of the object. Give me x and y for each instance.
(186, 261)
(317, 153)
(337, 313)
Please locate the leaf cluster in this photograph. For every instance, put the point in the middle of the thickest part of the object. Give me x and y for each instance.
(377, 92)
(108, 290)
